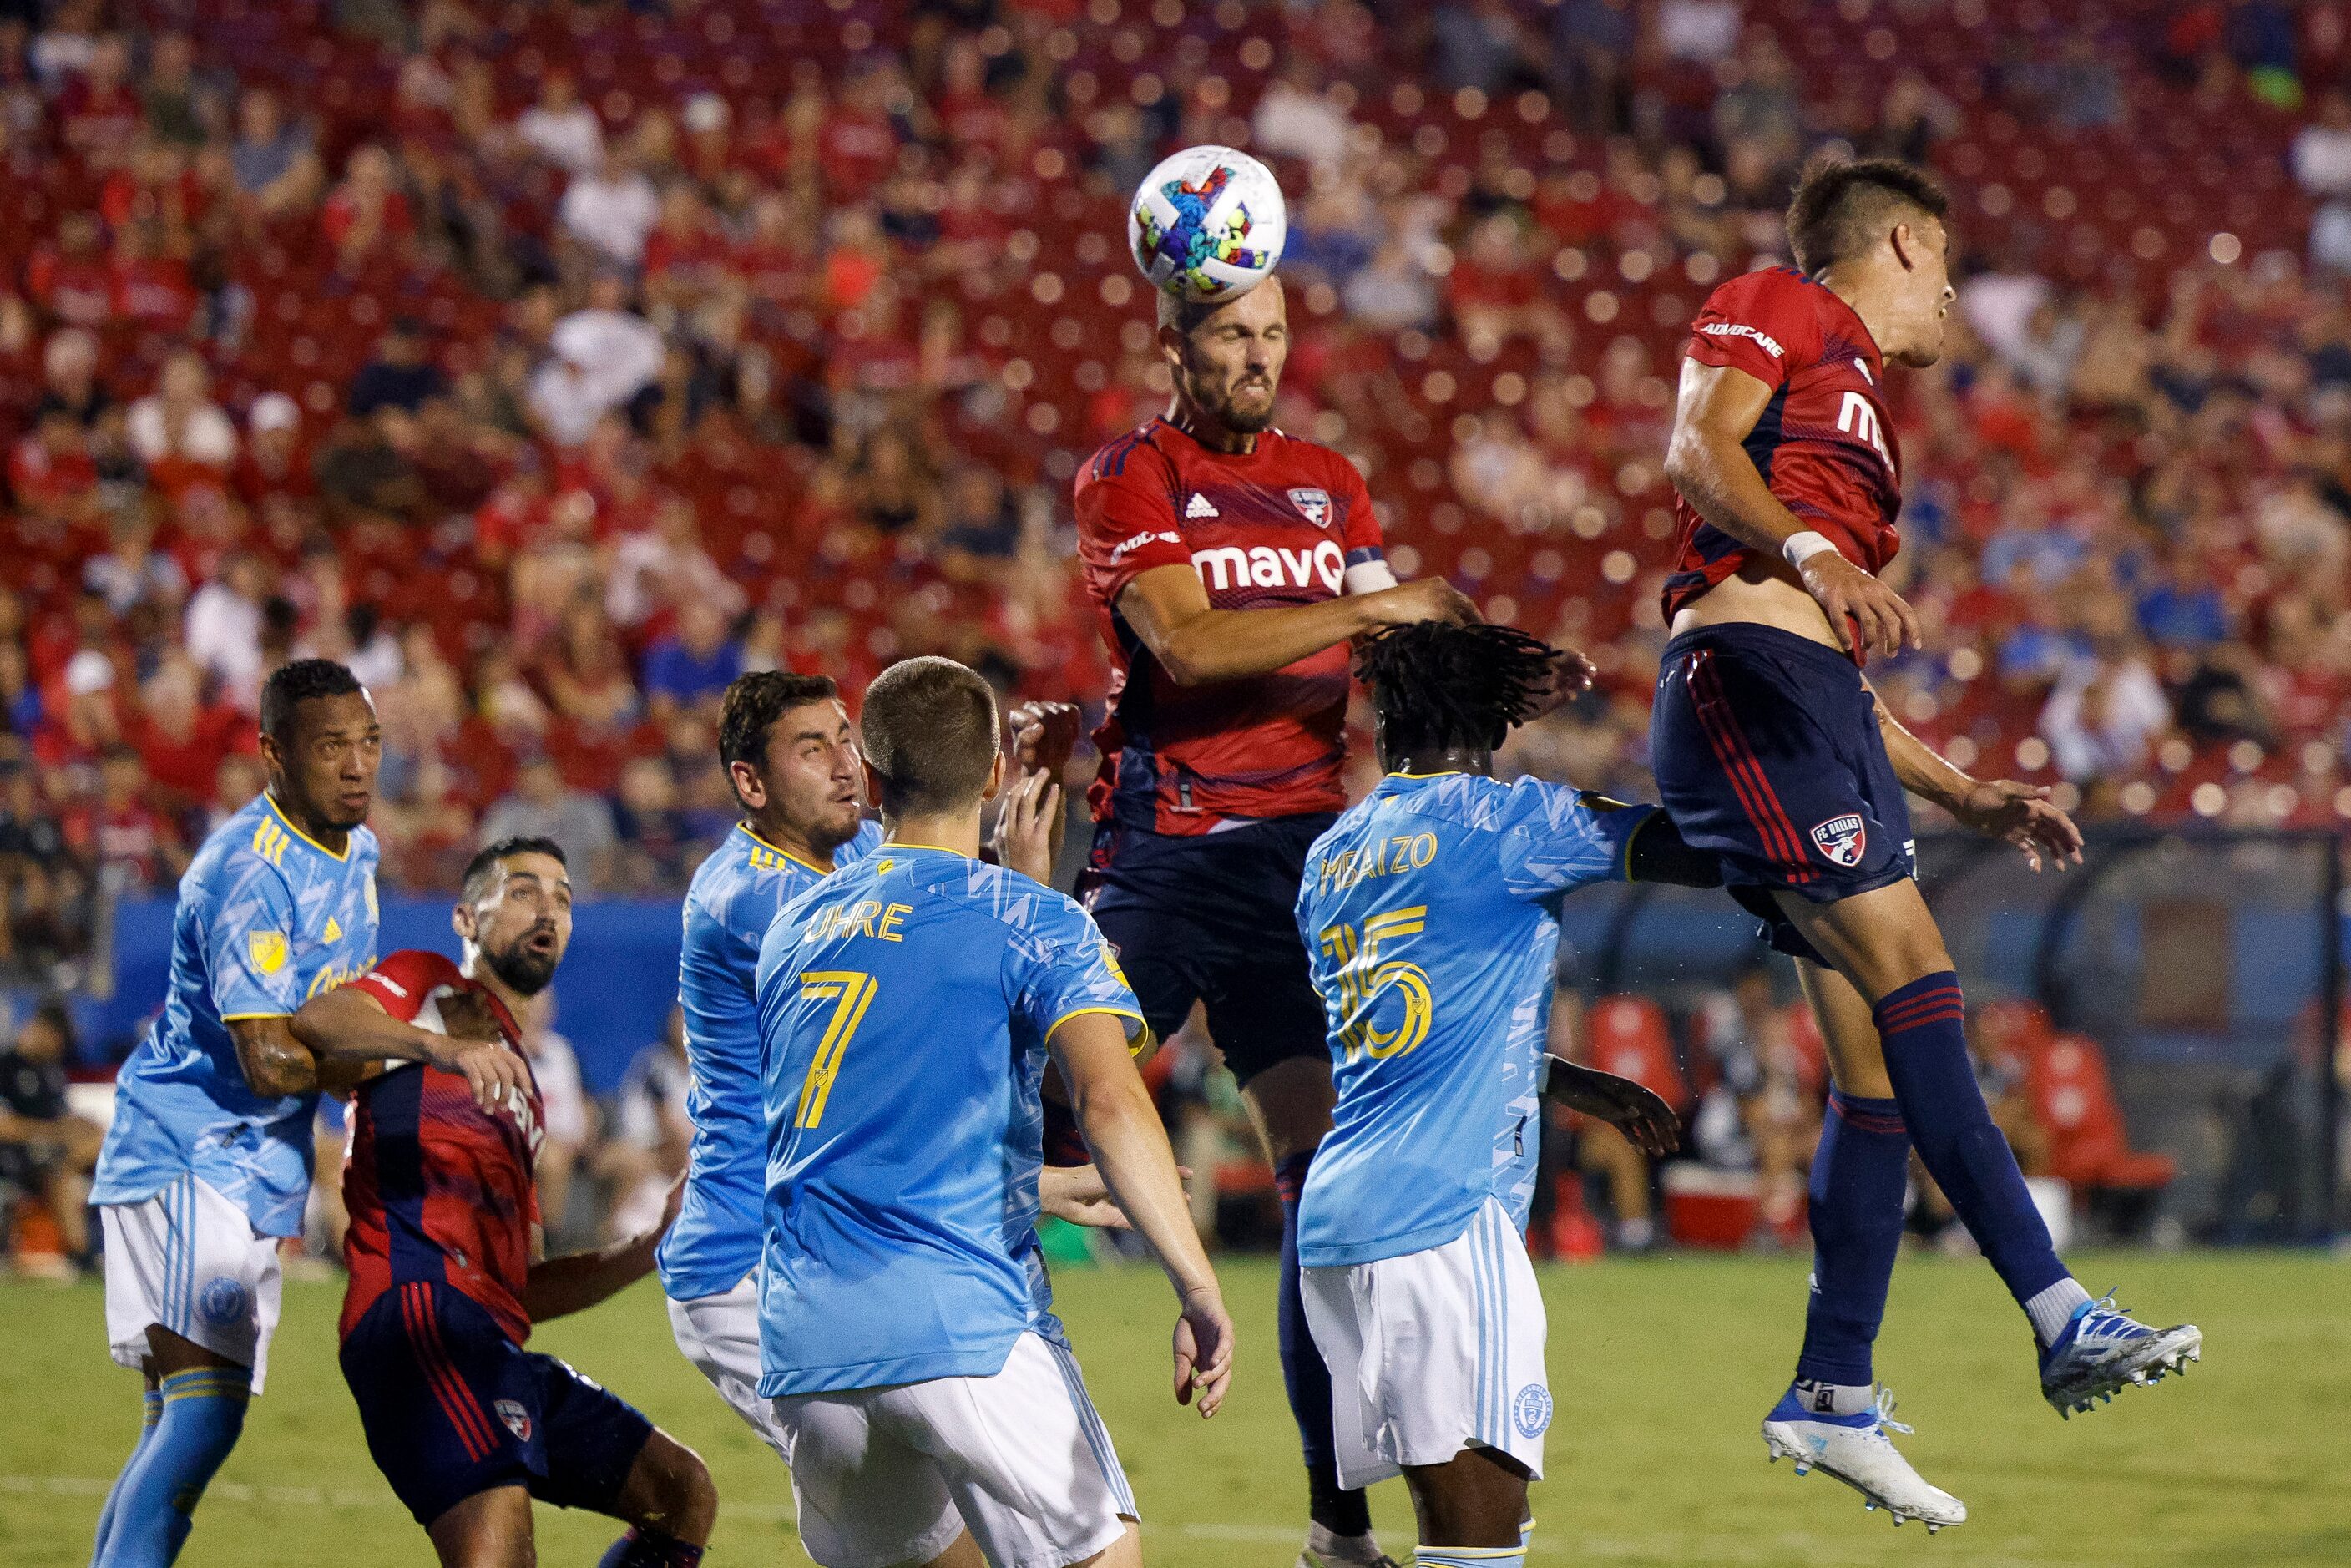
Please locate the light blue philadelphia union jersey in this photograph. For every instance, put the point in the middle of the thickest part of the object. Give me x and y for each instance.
(1430, 915)
(732, 899)
(267, 919)
(905, 1003)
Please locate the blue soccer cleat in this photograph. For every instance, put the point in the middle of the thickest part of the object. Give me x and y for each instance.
(1856, 1450)
(2103, 1351)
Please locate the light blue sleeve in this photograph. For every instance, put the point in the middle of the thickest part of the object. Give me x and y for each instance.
(1551, 843)
(248, 939)
(1067, 968)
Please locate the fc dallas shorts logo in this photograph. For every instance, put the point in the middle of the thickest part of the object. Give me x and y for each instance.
(1842, 839)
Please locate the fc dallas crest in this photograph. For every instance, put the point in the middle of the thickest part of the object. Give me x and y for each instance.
(1842, 839)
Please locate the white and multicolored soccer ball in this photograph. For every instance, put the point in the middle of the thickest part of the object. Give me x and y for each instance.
(1207, 224)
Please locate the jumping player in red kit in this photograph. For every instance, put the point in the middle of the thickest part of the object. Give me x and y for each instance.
(443, 1250)
(1232, 564)
(1772, 753)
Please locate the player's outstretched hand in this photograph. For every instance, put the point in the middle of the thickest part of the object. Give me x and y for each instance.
(1204, 1350)
(496, 1075)
(1043, 736)
(1644, 1119)
(1571, 675)
(1858, 605)
(2023, 816)
(1024, 824)
(1424, 598)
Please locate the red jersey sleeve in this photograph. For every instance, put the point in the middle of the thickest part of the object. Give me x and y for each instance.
(1760, 323)
(1126, 517)
(402, 981)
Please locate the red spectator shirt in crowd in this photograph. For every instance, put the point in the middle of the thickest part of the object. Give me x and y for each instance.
(345, 210)
(437, 1188)
(855, 149)
(47, 480)
(129, 835)
(974, 118)
(187, 764)
(1276, 527)
(79, 290)
(1825, 442)
(100, 121)
(152, 290)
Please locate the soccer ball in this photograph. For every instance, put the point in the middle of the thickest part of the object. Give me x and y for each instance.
(1207, 224)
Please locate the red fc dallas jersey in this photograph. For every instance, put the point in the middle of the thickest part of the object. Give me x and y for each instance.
(437, 1189)
(1277, 526)
(1823, 444)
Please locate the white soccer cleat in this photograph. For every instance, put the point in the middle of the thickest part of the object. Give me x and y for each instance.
(2103, 1351)
(1325, 1550)
(1856, 1450)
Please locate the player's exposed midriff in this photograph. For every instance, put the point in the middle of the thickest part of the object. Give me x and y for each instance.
(1763, 592)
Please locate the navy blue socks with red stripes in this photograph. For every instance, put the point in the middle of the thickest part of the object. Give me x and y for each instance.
(1306, 1379)
(647, 1547)
(1859, 1175)
(1922, 1027)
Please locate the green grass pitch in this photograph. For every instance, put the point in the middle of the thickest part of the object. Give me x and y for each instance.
(1661, 1369)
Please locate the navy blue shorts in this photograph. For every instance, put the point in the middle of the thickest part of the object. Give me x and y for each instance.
(452, 1407)
(1212, 919)
(1768, 755)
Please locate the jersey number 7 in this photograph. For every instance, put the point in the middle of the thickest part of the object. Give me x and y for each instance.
(1362, 976)
(852, 991)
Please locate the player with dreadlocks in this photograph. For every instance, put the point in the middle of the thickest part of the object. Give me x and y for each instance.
(1430, 912)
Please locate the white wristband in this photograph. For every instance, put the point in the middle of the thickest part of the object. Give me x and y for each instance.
(1801, 548)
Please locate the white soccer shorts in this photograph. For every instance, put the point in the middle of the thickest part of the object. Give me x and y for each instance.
(720, 1335)
(189, 1259)
(893, 1475)
(1434, 1352)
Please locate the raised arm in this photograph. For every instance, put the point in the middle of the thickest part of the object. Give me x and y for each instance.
(1122, 1127)
(1030, 820)
(1198, 643)
(1706, 460)
(1658, 852)
(1999, 808)
(578, 1281)
(348, 1026)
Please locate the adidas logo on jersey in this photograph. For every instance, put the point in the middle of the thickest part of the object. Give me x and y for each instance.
(1200, 507)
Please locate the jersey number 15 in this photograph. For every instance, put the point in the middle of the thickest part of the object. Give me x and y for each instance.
(1364, 977)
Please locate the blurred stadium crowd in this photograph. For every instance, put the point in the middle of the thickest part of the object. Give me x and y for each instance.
(551, 363)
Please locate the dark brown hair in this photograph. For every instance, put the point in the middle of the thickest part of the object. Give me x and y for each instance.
(1841, 208)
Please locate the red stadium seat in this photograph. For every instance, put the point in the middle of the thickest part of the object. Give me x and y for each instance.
(2089, 1145)
(1627, 1035)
